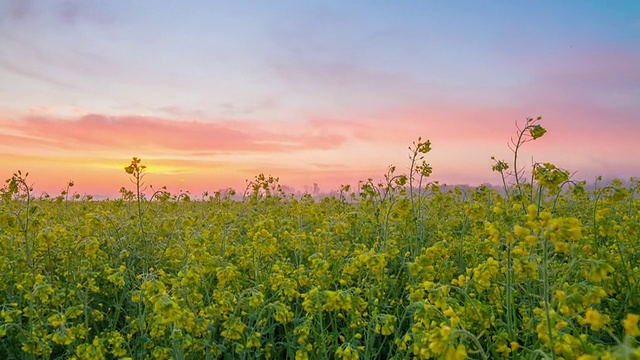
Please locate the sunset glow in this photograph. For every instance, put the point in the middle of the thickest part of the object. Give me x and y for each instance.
(210, 94)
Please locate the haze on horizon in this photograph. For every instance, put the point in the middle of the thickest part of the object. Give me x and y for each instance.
(210, 94)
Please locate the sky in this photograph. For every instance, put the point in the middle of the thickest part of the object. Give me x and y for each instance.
(210, 94)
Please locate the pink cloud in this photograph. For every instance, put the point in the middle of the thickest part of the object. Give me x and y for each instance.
(444, 122)
(138, 132)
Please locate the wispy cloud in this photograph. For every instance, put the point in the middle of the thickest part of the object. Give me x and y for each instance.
(18, 9)
(606, 78)
(94, 131)
(67, 12)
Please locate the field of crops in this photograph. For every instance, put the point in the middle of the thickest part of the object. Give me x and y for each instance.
(396, 269)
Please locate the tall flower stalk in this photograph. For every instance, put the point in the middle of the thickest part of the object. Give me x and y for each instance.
(136, 170)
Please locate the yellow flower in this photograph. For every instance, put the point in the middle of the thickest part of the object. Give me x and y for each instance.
(302, 355)
(234, 329)
(458, 353)
(63, 337)
(531, 239)
(388, 326)
(117, 279)
(57, 320)
(595, 319)
(520, 231)
(532, 212)
(282, 313)
(599, 272)
(253, 340)
(586, 357)
(504, 350)
(346, 352)
(167, 308)
(630, 324)
(303, 332)
(561, 324)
